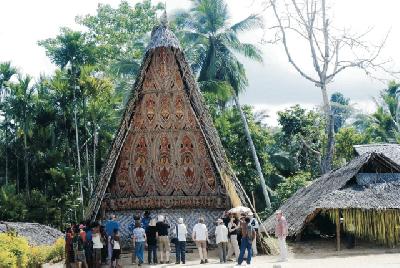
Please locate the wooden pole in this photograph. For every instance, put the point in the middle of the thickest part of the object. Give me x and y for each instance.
(254, 201)
(338, 230)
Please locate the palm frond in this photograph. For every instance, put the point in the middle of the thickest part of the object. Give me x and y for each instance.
(248, 50)
(251, 22)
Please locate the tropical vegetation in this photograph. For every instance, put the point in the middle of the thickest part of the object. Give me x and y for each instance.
(55, 130)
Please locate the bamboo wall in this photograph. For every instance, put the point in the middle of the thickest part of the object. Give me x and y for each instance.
(380, 226)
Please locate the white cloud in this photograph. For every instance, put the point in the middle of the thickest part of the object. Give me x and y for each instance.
(273, 84)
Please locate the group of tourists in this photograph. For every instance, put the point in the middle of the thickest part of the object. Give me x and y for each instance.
(92, 245)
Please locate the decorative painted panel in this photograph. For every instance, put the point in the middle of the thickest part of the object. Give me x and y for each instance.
(164, 162)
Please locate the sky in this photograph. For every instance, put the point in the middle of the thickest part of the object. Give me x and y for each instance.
(273, 85)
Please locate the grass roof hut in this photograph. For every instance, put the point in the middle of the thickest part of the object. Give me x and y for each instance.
(363, 195)
(166, 156)
(390, 150)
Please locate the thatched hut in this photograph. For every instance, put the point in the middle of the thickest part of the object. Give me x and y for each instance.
(390, 150)
(166, 156)
(361, 198)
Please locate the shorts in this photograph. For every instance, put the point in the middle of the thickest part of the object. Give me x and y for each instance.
(80, 256)
(116, 254)
(96, 255)
(163, 244)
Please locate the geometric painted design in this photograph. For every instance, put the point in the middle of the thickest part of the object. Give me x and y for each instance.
(164, 161)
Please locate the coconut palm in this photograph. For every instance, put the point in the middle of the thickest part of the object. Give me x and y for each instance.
(212, 45)
(7, 71)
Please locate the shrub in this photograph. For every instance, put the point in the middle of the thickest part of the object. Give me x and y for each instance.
(16, 252)
(7, 259)
(17, 246)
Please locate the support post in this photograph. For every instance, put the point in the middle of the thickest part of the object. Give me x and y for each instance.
(254, 200)
(338, 230)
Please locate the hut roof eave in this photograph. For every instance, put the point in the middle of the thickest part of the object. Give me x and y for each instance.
(390, 150)
(301, 207)
(375, 196)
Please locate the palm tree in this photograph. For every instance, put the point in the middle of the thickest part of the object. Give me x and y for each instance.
(21, 101)
(212, 45)
(7, 71)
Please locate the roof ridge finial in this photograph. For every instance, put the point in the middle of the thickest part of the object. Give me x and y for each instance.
(164, 17)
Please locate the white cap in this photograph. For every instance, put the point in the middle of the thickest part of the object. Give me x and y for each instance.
(180, 220)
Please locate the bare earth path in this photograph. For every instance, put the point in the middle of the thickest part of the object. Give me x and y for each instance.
(362, 258)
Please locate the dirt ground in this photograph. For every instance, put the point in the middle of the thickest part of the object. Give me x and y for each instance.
(305, 255)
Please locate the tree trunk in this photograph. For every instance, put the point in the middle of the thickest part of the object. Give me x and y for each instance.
(253, 151)
(26, 164)
(78, 155)
(89, 180)
(330, 143)
(6, 147)
(94, 150)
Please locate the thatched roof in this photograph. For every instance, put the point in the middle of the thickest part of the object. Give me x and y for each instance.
(375, 196)
(328, 190)
(391, 150)
(162, 37)
(37, 234)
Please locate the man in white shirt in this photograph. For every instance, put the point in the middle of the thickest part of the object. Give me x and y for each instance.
(254, 223)
(221, 237)
(233, 229)
(180, 232)
(200, 236)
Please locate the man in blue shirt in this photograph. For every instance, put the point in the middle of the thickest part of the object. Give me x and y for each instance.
(145, 220)
(111, 225)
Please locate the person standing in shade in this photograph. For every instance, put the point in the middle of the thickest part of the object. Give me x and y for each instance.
(281, 232)
(200, 236)
(221, 237)
(139, 239)
(233, 230)
(163, 239)
(97, 246)
(180, 232)
(111, 225)
(248, 235)
(79, 250)
(152, 236)
(256, 226)
(116, 252)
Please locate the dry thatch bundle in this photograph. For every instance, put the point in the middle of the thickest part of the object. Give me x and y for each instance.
(390, 150)
(381, 226)
(374, 208)
(37, 234)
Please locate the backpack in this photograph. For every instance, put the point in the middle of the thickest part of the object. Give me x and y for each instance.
(77, 244)
(250, 230)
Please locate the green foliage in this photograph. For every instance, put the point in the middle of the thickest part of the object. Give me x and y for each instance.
(12, 205)
(302, 136)
(70, 46)
(16, 252)
(346, 138)
(230, 129)
(212, 42)
(289, 186)
(341, 109)
(121, 34)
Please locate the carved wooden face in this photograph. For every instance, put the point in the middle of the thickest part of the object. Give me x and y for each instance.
(150, 104)
(179, 108)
